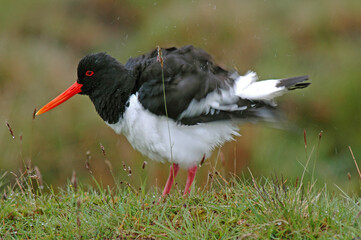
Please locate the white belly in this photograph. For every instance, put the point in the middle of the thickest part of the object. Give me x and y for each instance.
(162, 139)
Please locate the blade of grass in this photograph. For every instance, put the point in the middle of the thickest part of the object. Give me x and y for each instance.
(354, 159)
(161, 60)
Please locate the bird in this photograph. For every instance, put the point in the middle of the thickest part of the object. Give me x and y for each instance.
(175, 104)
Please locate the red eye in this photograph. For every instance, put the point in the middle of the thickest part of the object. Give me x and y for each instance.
(89, 73)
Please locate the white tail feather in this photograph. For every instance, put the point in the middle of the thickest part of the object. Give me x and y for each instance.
(247, 87)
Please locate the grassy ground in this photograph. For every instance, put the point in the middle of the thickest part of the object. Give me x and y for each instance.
(274, 208)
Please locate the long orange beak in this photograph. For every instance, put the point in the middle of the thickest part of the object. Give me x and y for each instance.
(71, 91)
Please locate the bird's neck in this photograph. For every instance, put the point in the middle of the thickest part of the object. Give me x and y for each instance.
(110, 100)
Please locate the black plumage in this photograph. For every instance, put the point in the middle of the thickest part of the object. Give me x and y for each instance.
(189, 73)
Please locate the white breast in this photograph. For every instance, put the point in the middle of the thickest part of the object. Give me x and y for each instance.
(162, 139)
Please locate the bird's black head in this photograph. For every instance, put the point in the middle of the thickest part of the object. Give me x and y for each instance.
(108, 84)
(97, 71)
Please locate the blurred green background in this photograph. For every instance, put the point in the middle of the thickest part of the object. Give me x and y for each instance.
(42, 41)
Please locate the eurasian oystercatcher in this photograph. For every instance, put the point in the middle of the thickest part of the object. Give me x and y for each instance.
(175, 104)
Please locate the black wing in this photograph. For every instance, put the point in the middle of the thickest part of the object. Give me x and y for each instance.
(189, 73)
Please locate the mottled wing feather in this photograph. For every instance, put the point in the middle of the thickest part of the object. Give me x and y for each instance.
(190, 77)
(189, 73)
(253, 110)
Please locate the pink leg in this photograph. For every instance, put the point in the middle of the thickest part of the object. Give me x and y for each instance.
(191, 174)
(172, 174)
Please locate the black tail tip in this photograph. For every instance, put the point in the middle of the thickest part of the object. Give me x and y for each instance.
(294, 82)
(299, 86)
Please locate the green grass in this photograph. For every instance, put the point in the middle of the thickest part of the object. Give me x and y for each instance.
(273, 208)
